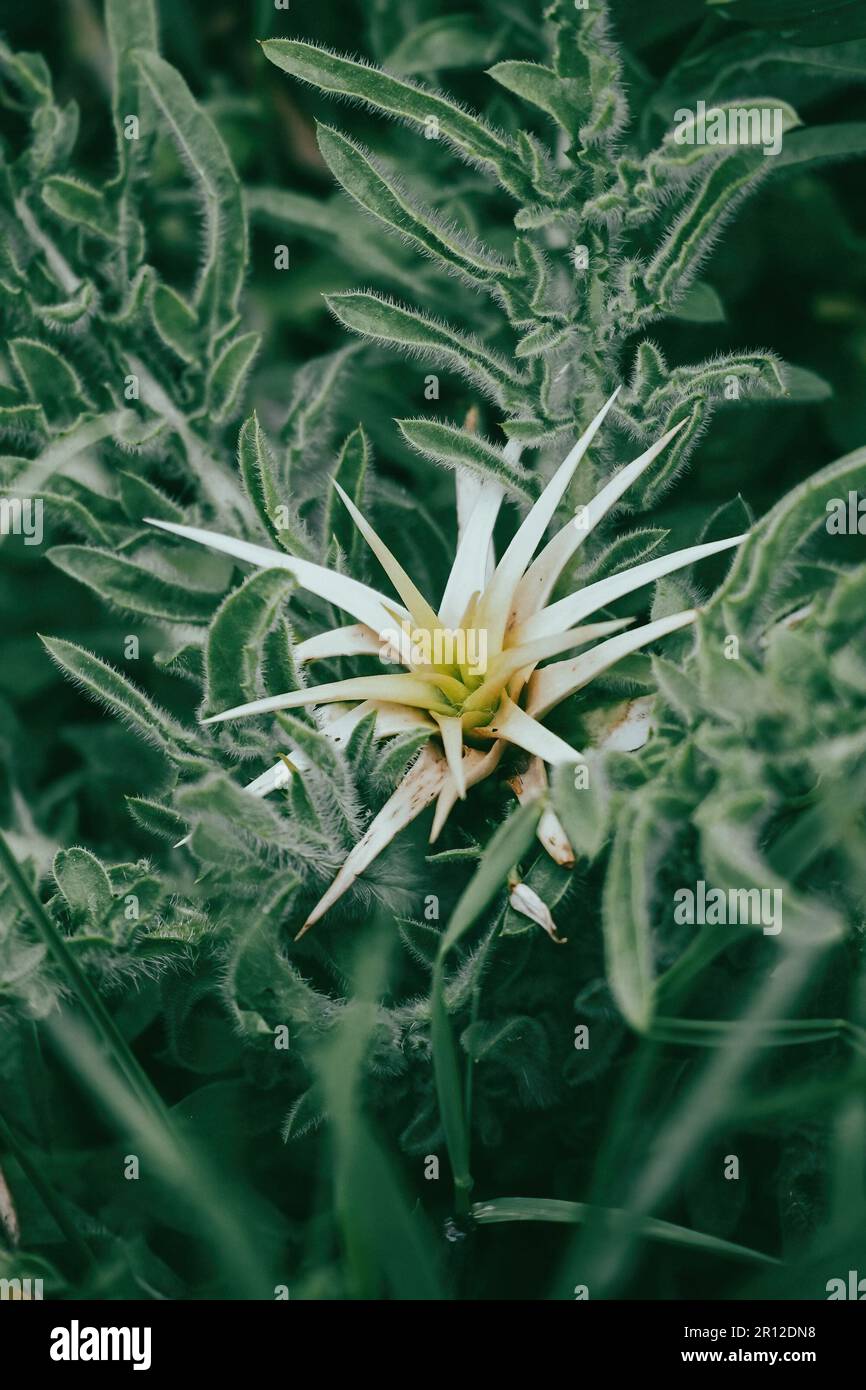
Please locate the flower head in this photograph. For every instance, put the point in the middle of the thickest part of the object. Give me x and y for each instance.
(472, 672)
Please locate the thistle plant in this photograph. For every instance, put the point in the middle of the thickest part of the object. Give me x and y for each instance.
(477, 706)
(393, 600)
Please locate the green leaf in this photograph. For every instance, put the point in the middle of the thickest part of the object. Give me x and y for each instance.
(585, 811)
(140, 499)
(175, 322)
(84, 883)
(156, 819)
(395, 96)
(801, 384)
(680, 254)
(626, 913)
(510, 841)
(228, 374)
(803, 21)
(449, 41)
(351, 474)
(80, 204)
(454, 447)
(234, 652)
(131, 586)
(576, 1213)
(128, 28)
(700, 304)
(109, 688)
(557, 96)
(258, 471)
(50, 381)
(844, 141)
(397, 326)
(777, 537)
(314, 389)
(201, 147)
(373, 190)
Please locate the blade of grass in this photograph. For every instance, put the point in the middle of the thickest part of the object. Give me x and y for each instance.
(511, 840)
(576, 1213)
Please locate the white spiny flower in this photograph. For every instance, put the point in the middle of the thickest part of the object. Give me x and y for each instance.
(474, 708)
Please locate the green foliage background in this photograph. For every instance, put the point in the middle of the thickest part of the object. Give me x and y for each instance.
(263, 1167)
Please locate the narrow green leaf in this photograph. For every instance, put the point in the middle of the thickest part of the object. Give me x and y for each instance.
(700, 304)
(557, 96)
(202, 149)
(387, 322)
(259, 474)
(625, 914)
(235, 645)
(448, 41)
(510, 841)
(681, 253)
(474, 139)
(576, 1213)
(50, 380)
(140, 499)
(132, 587)
(157, 819)
(76, 202)
(351, 474)
(175, 322)
(228, 375)
(109, 688)
(454, 447)
(583, 806)
(373, 190)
